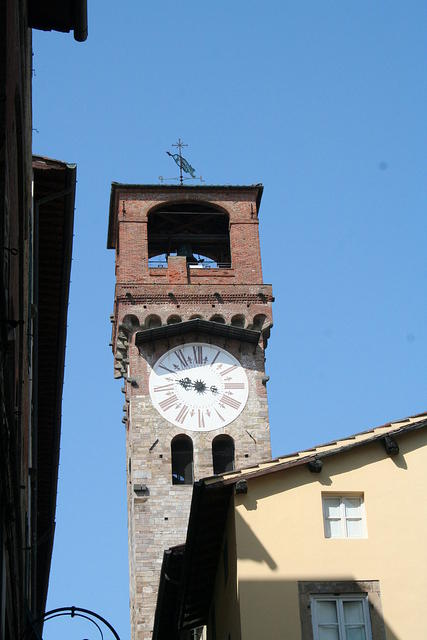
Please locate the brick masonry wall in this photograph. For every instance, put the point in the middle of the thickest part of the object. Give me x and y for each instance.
(133, 209)
(159, 520)
(193, 300)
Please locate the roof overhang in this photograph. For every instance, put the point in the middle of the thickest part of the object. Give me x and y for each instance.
(165, 625)
(197, 326)
(177, 192)
(66, 15)
(321, 452)
(186, 606)
(54, 197)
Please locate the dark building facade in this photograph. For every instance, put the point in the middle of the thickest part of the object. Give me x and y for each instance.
(36, 222)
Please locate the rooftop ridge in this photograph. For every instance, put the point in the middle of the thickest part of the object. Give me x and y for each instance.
(337, 445)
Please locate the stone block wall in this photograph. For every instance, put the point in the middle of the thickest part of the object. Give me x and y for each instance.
(159, 519)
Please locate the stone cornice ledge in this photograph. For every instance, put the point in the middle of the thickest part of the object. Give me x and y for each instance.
(197, 326)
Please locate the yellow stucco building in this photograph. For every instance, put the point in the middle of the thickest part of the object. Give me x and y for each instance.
(323, 544)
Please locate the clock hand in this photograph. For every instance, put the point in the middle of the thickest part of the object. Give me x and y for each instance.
(198, 385)
(186, 383)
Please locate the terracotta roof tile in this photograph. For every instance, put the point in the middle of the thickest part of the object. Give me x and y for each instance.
(336, 446)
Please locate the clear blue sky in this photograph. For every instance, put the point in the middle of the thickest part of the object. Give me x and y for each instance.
(325, 104)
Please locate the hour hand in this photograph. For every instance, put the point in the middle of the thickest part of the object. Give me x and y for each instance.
(185, 383)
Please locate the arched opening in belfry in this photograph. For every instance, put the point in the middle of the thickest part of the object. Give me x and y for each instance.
(153, 321)
(131, 322)
(223, 454)
(238, 320)
(182, 460)
(196, 230)
(259, 321)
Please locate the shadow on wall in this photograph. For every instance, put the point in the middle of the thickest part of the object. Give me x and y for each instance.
(285, 610)
(250, 356)
(282, 609)
(250, 546)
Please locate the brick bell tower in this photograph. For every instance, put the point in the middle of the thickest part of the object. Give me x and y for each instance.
(191, 321)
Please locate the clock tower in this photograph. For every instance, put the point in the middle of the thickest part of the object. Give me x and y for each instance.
(190, 326)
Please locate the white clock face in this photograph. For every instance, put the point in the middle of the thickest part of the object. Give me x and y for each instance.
(198, 386)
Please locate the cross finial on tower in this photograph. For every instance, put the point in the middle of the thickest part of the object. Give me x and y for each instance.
(183, 164)
(182, 161)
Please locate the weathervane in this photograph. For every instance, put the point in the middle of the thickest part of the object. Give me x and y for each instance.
(183, 164)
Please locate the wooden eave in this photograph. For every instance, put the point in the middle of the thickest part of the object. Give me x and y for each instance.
(65, 16)
(165, 623)
(55, 184)
(317, 453)
(187, 605)
(197, 326)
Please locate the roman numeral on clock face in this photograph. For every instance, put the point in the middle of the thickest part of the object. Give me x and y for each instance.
(214, 360)
(165, 387)
(234, 385)
(201, 419)
(182, 414)
(219, 415)
(162, 366)
(167, 403)
(231, 402)
(181, 358)
(228, 370)
(198, 354)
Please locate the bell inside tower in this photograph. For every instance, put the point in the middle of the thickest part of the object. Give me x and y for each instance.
(198, 231)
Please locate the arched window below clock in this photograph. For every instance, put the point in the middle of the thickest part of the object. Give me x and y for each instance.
(223, 454)
(182, 460)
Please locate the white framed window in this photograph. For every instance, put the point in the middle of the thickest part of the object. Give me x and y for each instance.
(343, 617)
(344, 516)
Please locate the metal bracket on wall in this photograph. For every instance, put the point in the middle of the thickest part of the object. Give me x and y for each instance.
(241, 487)
(390, 445)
